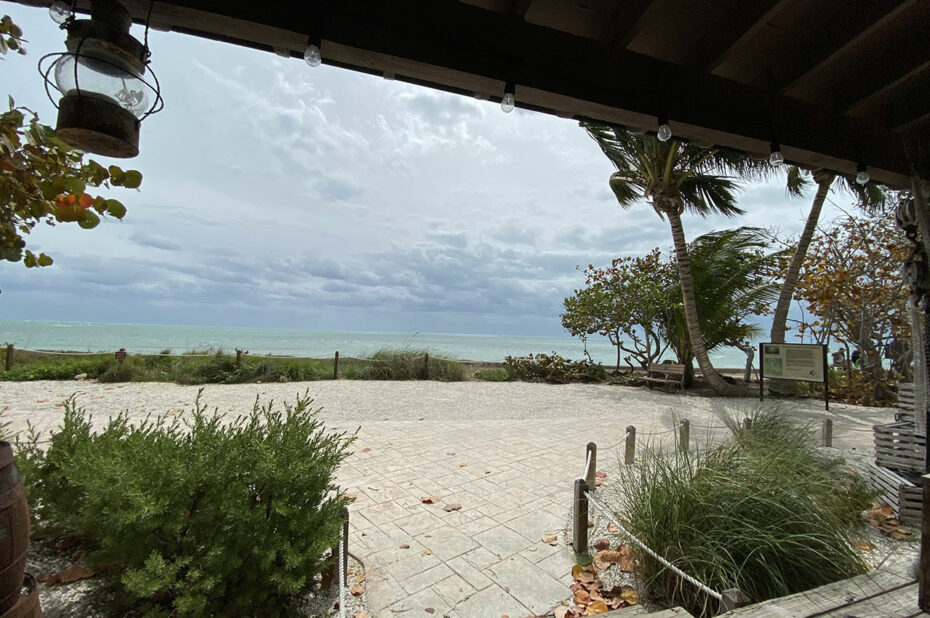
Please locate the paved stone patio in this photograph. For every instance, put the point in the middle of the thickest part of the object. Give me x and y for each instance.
(513, 479)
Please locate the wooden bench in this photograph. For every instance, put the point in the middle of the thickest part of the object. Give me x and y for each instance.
(665, 374)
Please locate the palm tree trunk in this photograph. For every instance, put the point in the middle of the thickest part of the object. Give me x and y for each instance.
(716, 381)
(824, 181)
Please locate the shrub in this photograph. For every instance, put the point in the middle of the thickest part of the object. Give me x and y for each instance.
(763, 512)
(554, 369)
(493, 375)
(117, 372)
(407, 364)
(196, 515)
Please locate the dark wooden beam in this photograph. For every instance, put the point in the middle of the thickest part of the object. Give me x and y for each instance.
(628, 22)
(857, 19)
(911, 106)
(889, 63)
(743, 21)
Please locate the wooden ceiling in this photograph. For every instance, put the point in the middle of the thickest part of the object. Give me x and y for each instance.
(836, 82)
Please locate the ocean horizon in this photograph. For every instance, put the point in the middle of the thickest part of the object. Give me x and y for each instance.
(155, 338)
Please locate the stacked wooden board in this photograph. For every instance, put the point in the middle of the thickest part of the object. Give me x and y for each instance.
(900, 459)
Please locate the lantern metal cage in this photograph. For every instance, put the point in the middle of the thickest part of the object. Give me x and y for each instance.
(106, 85)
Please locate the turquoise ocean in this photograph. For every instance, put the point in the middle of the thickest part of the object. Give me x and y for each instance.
(153, 338)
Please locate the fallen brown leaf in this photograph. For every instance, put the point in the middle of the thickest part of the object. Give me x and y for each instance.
(560, 612)
(420, 419)
(629, 595)
(75, 573)
(600, 475)
(487, 472)
(429, 610)
(595, 608)
(613, 528)
(360, 578)
(366, 450)
(347, 496)
(405, 546)
(462, 465)
(357, 590)
(864, 545)
(427, 552)
(452, 507)
(362, 614)
(582, 597)
(451, 454)
(551, 539)
(601, 544)
(429, 500)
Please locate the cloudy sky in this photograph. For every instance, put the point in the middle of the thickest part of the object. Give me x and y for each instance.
(276, 195)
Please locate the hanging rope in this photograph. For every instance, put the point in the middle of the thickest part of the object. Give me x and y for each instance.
(691, 580)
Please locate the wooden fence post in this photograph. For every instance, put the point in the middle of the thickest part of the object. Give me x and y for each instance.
(591, 460)
(827, 432)
(238, 357)
(684, 435)
(580, 523)
(629, 455)
(923, 575)
(336, 366)
(9, 356)
(426, 365)
(747, 423)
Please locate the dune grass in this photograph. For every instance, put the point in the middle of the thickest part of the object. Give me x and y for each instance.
(764, 512)
(219, 367)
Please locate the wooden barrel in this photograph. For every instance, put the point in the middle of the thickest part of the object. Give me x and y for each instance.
(27, 606)
(14, 530)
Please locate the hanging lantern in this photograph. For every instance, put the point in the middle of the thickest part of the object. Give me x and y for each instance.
(103, 79)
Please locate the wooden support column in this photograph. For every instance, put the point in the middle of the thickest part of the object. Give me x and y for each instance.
(580, 523)
(9, 356)
(591, 461)
(336, 366)
(629, 454)
(827, 432)
(684, 435)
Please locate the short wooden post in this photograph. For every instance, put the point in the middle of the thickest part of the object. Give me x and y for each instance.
(826, 432)
(923, 588)
(590, 452)
(580, 523)
(336, 366)
(684, 435)
(426, 365)
(238, 357)
(9, 356)
(734, 598)
(747, 423)
(629, 454)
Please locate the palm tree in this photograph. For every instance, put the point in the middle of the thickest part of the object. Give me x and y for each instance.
(869, 197)
(733, 274)
(675, 177)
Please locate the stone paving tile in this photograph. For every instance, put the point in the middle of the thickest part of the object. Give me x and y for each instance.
(416, 605)
(502, 541)
(454, 589)
(475, 578)
(529, 584)
(491, 602)
(426, 578)
(447, 542)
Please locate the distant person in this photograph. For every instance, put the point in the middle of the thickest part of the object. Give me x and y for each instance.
(855, 358)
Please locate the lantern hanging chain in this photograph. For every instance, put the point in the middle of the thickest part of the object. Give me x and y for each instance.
(148, 20)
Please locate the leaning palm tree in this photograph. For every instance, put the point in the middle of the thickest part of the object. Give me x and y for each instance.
(869, 197)
(675, 177)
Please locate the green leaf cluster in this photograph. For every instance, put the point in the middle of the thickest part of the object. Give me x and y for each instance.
(195, 514)
(553, 369)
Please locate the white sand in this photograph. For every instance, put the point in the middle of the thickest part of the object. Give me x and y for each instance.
(366, 402)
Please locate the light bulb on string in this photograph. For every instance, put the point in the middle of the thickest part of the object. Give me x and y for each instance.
(862, 175)
(312, 55)
(776, 158)
(507, 101)
(59, 12)
(665, 132)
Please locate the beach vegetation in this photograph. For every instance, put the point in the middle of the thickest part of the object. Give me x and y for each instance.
(674, 178)
(764, 512)
(493, 375)
(45, 180)
(553, 369)
(195, 514)
(856, 296)
(406, 364)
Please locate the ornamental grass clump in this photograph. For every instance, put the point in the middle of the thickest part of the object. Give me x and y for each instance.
(763, 512)
(198, 514)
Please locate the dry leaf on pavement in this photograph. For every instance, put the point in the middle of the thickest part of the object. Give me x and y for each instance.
(601, 544)
(864, 545)
(360, 578)
(595, 608)
(613, 528)
(452, 507)
(551, 539)
(429, 499)
(357, 590)
(427, 552)
(404, 546)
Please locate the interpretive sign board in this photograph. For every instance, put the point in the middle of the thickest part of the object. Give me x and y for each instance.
(802, 362)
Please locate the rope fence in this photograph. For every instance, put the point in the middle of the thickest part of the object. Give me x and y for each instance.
(583, 498)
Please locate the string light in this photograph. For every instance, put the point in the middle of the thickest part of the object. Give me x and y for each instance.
(665, 132)
(507, 102)
(776, 158)
(59, 12)
(862, 175)
(312, 55)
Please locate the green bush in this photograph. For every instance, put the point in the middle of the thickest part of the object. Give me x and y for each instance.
(118, 372)
(763, 512)
(554, 369)
(197, 515)
(406, 364)
(493, 375)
